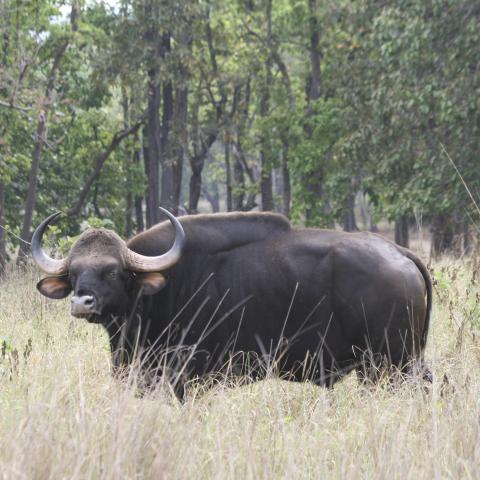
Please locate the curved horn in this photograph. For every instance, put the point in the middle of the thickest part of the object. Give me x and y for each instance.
(47, 264)
(141, 263)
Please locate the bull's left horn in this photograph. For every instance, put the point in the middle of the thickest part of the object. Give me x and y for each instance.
(141, 263)
(47, 264)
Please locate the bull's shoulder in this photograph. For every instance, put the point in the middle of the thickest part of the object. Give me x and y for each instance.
(214, 232)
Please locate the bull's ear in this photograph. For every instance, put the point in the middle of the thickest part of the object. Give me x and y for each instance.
(54, 287)
(151, 283)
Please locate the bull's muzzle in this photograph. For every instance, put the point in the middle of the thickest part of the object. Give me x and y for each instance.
(83, 306)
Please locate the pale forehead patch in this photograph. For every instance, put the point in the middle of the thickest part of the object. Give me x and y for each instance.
(96, 243)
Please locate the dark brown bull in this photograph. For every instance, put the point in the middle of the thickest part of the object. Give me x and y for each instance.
(311, 303)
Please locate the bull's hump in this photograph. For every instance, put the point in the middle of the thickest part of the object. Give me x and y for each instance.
(218, 232)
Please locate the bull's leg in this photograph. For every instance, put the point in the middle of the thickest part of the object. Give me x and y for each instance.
(421, 370)
(377, 367)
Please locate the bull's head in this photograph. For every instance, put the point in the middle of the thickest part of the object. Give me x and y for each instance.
(103, 273)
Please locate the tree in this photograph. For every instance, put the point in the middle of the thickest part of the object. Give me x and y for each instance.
(40, 137)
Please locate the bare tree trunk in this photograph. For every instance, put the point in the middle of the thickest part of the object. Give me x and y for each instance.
(198, 158)
(201, 146)
(159, 46)
(138, 199)
(165, 160)
(139, 214)
(181, 140)
(146, 164)
(152, 151)
(251, 197)
(287, 189)
(466, 237)
(450, 233)
(238, 196)
(315, 181)
(173, 141)
(32, 185)
(241, 167)
(174, 126)
(197, 161)
(349, 222)
(266, 184)
(401, 231)
(228, 170)
(195, 185)
(286, 186)
(3, 242)
(129, 197)
(128, 215)
(364, 213)
(213, 199)
(40, 139)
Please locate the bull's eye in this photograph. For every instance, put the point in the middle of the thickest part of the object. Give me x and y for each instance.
(113, 274)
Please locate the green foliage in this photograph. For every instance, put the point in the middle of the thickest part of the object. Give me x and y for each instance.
(397, 82)
(420, 97)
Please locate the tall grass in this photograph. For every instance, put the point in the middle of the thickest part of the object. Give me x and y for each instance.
(62, 415)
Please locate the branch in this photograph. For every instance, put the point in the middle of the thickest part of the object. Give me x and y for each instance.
(285, 77)
(100, 161)
(14, 107)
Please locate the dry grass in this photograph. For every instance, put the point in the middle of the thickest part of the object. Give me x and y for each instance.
(63, 416)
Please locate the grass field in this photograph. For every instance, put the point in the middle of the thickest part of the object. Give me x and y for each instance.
(63, 416)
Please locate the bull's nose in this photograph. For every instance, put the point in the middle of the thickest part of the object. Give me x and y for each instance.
(83, 305)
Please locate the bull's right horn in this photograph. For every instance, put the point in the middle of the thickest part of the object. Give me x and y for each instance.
(141, 263)
(47, 264)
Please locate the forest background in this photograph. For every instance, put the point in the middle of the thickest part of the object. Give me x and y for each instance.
(319, 110)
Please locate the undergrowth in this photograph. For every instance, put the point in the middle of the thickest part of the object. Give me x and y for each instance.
(62, 415)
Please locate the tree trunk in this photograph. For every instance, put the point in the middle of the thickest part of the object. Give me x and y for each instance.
(314, 183)
(366, 217)
(32, 185)
(152, 151)
(197, 160)
(139, 214)
(466, 238)
(195, 186)
(266, 183)
(128, 216)
(401, 231)
(181, 140)
(138, 199)
(238, 195)
(287, 189)
(39, 140)
(128, 185)
(153, 132)
(450, 233)
(201, 143)
(241, 165)
(228, 171)
(3, 233)
(173, 141)
(349, 223)
(146, 165)
(214, 198)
